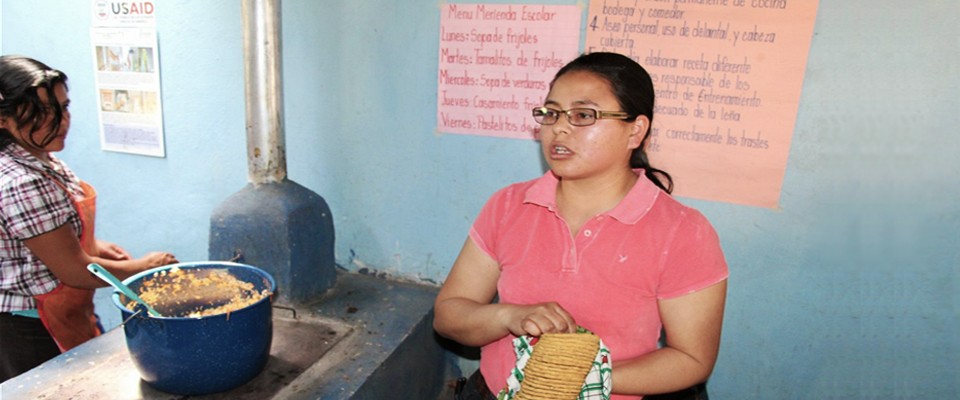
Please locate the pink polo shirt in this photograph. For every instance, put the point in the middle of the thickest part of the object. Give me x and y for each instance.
(609, 277)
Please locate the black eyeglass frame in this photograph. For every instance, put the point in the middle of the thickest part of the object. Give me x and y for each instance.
(539, 113)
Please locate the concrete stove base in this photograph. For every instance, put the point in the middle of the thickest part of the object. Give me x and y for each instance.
(366, 338)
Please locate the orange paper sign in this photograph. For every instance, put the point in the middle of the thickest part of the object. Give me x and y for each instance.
(496, 63)
(728, 75)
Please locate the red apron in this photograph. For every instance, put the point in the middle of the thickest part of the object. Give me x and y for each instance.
(67, 312)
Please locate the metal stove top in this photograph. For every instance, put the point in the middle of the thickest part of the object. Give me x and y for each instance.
(366, 338)
(102, 368)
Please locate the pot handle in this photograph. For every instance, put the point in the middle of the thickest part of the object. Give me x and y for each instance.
(292, 310)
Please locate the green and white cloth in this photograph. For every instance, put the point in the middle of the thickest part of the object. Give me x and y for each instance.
(597, 385)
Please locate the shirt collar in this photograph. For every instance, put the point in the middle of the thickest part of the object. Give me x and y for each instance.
(23, 157)
(634, 205)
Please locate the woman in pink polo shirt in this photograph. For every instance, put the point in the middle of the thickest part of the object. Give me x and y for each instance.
(596, 242)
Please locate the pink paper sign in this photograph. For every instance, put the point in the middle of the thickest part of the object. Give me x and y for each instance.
(496, 63)
(728, 75)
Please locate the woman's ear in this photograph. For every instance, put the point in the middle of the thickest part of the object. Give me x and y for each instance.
(640, 126)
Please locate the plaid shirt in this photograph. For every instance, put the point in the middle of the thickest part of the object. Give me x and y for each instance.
(30, 205)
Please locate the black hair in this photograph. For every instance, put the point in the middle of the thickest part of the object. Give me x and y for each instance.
(633, 88)
(20, 78)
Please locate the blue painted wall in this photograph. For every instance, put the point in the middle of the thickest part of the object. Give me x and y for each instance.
(847, 290)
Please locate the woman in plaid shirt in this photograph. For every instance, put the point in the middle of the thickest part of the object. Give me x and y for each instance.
(46, 225)
(596, 242)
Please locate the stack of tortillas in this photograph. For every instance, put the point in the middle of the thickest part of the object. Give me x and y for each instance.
(558, 366)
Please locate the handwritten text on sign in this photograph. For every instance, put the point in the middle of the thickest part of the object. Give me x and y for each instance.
(496, 63)
(727, 75)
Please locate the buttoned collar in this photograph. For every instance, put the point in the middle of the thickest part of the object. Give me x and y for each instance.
(23, 157)
(634, 205)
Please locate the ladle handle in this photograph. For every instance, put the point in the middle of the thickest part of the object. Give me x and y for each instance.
(102, 273)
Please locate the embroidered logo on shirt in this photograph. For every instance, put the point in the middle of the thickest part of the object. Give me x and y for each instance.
(623, 259)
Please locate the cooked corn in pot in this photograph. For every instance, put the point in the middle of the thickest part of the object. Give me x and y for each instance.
(195, 293)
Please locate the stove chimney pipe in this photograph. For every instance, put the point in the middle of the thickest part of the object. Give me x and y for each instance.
(273, 223)
(266, 155)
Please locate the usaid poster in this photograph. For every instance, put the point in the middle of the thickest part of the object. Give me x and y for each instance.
(127, 69)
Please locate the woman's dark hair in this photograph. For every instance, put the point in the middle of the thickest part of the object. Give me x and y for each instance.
(20, 77)
(632, 86)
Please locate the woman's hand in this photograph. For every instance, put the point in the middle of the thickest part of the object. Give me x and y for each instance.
(60, 251)
(463, 309)
(537, 319)
(111, 251)
(158, 259)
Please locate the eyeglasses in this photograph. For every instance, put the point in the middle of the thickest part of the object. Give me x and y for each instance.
(576, 116)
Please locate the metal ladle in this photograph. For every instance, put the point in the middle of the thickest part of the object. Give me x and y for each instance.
(102, 273)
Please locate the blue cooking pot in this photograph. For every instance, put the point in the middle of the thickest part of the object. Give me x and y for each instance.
(194, 356)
